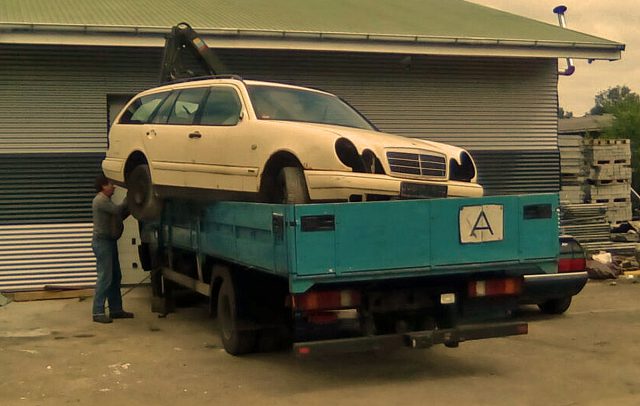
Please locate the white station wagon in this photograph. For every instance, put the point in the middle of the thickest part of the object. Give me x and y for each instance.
(233, 139)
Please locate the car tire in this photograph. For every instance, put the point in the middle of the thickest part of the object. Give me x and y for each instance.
(293, 186)
(144, 203)
(555, 306)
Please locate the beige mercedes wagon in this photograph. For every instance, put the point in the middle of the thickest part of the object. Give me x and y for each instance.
(234, 139)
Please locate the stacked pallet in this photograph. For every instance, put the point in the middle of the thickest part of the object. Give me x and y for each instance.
(588, 224)
(609, 178)
(573, 169)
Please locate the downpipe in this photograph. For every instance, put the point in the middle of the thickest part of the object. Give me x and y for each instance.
(560, 10)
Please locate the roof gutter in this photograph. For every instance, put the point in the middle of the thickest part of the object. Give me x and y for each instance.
(153, 36)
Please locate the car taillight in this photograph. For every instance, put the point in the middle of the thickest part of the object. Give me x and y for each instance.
(327, 300)
(571, 265)
(495, 287)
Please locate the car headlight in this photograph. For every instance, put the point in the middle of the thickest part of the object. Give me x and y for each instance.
(348, 155)
(463, 171)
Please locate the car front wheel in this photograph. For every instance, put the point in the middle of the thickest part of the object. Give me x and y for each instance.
(144, 203)
(292, 186)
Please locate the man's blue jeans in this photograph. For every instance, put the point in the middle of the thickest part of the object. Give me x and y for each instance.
(109, 276)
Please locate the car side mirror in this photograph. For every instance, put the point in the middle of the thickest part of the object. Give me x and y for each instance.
(241, 115)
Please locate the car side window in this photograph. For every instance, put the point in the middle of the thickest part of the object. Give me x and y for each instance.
(186, 106)
(222, 107)
(162, 113)
(139, 111)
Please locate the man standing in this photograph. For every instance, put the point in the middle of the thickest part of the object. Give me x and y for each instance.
(107, 229)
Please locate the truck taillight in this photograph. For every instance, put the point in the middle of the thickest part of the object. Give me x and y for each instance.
(571, 265)
(327, 300)
(495, 287)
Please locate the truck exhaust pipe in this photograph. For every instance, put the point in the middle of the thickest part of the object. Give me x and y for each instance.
(560, 10)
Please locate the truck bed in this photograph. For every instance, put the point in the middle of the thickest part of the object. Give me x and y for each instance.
(373, 241)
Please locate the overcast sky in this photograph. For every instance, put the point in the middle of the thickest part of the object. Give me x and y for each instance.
(616, 20)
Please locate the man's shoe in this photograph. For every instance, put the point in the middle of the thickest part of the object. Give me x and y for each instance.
(122, 315)
(102, 318)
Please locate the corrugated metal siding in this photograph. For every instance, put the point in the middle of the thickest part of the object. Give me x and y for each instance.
(482, 104)
(54, 98)
(518, 171)
(45, 220)
(47, 188)
(32, 256)
(53, 135)
(477, 103)
(53, 114)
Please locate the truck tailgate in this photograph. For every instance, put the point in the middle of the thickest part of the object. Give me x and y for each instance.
(424, 236)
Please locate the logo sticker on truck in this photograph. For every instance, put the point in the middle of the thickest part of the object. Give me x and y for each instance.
(481, 223)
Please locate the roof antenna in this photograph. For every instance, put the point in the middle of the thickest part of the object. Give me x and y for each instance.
(559, 10)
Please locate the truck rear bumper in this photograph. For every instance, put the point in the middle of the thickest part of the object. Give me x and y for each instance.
(539, 288)
(418, 339)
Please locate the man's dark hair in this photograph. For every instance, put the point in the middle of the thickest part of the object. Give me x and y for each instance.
(101, 181)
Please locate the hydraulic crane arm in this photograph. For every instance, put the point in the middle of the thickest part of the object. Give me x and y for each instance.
(183, 38)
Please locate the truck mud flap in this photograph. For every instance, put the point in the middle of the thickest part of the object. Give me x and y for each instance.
(417, 339)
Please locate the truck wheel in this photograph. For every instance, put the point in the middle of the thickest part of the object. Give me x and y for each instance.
(555, 306)
(292, 185)
(235, 340)
(144, 203)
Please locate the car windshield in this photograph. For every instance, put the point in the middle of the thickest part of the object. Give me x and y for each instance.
(282, 103)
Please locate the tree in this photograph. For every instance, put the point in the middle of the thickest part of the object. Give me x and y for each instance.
(610, 99)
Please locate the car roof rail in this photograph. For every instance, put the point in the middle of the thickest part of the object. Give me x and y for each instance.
(196, 78)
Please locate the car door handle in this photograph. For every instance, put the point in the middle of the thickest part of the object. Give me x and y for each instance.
(195, 134)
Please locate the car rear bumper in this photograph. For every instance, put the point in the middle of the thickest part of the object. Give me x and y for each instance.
(329, 185)
(542, 287)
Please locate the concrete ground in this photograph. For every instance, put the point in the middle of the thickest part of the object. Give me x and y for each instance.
(52, 354)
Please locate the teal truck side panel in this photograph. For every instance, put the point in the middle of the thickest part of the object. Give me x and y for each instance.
(234, 231)
(422, 237)
(344, 242)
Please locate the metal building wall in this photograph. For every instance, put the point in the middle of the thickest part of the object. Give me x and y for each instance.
(53, 124)
(53, 120)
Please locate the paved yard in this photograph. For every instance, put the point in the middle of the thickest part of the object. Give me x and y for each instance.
(52, 354)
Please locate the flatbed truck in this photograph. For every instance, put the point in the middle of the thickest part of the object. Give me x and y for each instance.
(372, 275)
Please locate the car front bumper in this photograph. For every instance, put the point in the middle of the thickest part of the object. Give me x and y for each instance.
(332, 185)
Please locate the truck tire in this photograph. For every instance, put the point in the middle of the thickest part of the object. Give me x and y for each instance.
(144, 203)
(293, 185)
(235, 340)
(555, 306)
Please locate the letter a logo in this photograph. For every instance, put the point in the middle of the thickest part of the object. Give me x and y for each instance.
(482, 223)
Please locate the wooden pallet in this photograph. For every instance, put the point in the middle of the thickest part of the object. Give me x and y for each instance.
(48, 294)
